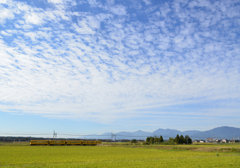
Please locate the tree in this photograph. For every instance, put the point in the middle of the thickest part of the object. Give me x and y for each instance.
(161, 139)
(181, 140)
(133, 141)
(171, 140)
(151, 140)
(188, 140)
(177, 139)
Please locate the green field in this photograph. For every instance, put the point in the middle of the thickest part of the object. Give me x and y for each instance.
(121, 155)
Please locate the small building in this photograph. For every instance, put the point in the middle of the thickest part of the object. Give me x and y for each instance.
(232, 141)
(224, 141)
(209, 140)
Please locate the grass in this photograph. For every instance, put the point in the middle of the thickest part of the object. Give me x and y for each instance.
(121, 155)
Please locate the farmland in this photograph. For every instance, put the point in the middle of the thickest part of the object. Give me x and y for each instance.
(120, 155)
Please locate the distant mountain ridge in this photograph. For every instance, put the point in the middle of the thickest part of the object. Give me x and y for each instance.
(223, 132)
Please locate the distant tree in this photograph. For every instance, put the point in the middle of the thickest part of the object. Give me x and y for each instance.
(188, 140)
(158, 139)
(148, 139)
(155, 139)
(171, 140)
(161, 139)
(151, 140)
(177, 139)
(181, 139)
(133, 141)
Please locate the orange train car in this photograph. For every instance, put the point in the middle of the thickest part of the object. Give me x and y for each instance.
(39, 142)
(64, 142)
(57, 142)
(74, 142)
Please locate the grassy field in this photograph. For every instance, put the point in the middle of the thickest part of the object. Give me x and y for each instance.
(121, 155)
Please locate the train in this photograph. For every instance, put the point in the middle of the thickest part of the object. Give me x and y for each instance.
(64, 142)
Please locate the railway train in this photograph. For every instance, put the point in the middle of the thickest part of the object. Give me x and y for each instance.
(64, 142)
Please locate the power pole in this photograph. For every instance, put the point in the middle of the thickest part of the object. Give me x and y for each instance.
(54, 135)
(113, 136)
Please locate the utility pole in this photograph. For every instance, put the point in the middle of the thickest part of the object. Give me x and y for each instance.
(54, 135)
(113, 136)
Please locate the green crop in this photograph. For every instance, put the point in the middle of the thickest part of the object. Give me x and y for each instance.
(111, 156)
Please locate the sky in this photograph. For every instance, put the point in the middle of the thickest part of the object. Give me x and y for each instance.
(96, 66)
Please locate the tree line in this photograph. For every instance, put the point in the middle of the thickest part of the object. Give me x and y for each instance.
(155, 139)
(178, 139)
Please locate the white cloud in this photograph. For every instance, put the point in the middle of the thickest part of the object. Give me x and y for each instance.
(83, 28)
(33, 18)
(118, 10)
(5, 33)
(55, 1)
(147, 2)
(6, 14)
(94, 3)
(3, 1)
(110, 2)
(111, 64)
(164, 10)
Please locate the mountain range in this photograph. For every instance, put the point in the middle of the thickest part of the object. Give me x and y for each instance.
(223, 132)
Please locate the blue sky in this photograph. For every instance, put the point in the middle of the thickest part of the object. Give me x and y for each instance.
(94, 66)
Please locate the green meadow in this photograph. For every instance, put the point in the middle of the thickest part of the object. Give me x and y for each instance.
(120, 155)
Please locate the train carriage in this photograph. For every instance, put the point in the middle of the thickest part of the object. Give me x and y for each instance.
(39, 142)
(85, 143)
(64, 142)
(57, 142)
(74, 142)
(92, 143)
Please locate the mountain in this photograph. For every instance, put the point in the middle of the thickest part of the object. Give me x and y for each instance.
(219, 133)
(133, 135)
(191, 132)
(167, 132)
(223, 132)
